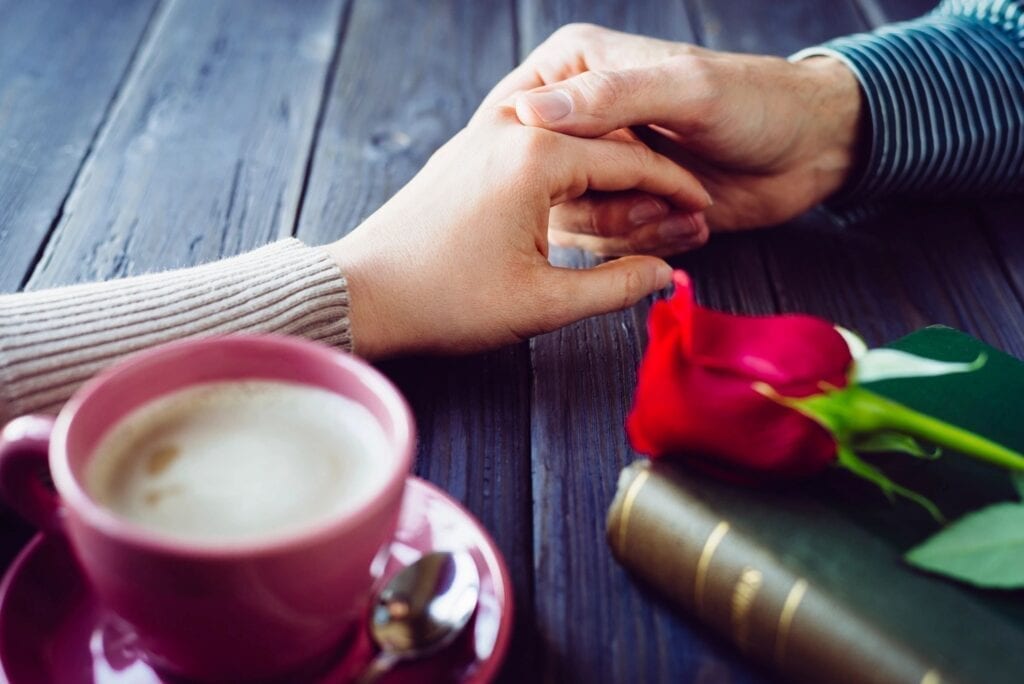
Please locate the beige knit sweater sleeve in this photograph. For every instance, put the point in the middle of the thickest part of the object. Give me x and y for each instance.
(51, 341)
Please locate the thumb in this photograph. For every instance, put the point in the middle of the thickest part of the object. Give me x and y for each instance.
(611, 286)
(596, 103)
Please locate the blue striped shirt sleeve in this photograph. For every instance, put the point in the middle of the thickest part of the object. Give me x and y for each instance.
(944, 99)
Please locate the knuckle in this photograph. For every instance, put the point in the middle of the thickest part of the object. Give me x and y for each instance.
(698, 69)
(703, 83)
(632, 287)
(636, 157)
(602, 88)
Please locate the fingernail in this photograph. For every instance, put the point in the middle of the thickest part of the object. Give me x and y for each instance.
(710, 201)
(550, 106)
(677, 226)
(645, 211)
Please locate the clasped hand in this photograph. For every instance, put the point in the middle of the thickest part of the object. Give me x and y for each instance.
(769, 138)
(457, 261)
(601, 140)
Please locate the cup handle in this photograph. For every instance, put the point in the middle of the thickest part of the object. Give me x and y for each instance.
(25, 471)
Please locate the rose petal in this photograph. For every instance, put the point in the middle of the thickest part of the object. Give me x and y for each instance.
(784, 351)
(695, 396)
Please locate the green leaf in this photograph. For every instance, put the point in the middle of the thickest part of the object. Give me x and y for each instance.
(886, 364)
(897, 443)
(984, 548)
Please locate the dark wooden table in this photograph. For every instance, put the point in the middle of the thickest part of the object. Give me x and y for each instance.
(149, 134)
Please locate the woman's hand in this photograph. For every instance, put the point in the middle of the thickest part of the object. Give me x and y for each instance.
(457, 260)
(768, 138)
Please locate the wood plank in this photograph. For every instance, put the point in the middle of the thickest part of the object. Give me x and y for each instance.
(61, 63)
(971, 273)
(596, 625)
(472, 416)
(778, 28)
(205, 151)
(917, 265)
(878, 12)
(401, 89)
(1004, 226)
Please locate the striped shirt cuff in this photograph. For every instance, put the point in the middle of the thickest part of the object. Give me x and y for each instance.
(945, 101)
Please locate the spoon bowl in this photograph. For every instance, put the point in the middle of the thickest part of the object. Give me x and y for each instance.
(422, 609)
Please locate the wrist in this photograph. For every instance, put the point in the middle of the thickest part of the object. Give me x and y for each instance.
(359, 269)
(839, 121)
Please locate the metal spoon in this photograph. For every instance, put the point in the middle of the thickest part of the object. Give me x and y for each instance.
(422, 609)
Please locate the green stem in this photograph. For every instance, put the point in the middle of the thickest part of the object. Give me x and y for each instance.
(849, 460)
(870, 412)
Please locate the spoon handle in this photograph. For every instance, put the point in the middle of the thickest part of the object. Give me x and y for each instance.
(378, 667)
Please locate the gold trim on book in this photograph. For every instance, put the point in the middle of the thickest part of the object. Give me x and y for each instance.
(793, 599)
(931, 677)
(627, 505)
(714, 539)
(743, 596)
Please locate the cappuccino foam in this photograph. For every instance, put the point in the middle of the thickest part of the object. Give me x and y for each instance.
(236, 461)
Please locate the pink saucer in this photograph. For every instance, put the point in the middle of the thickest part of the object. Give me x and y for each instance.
(53, 630)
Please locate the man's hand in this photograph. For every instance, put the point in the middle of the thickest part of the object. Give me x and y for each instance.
(457, 260)
(768, 138)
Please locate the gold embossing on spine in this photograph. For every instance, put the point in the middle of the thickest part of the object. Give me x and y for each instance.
(793, 599)
(931, 677)
(743, 596)
(714, 539)
(627, 506)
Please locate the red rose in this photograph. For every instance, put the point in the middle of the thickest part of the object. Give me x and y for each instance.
(695, 397)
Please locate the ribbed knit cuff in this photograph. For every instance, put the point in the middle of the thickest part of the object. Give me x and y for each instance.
(51, 341)
(945, 101)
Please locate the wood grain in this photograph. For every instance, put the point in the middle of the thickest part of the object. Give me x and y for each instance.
(776, 28)
(409, 76)
(402, 88)
(595, 624)
(1004, 226)
(52, 102)
(204, 153)
(148, 138)
(877, 12)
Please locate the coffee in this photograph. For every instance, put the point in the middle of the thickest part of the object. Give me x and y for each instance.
(235, 461)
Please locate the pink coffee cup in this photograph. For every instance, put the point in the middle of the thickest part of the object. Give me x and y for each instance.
(253, 609)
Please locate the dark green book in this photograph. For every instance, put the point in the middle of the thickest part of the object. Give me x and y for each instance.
(810, 578)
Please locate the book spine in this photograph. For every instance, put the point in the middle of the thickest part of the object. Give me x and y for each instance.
(672, 540)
